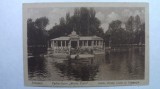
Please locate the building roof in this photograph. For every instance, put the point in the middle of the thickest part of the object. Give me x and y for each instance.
(62, 38)
(74, 35)
(90, 38)
(80, 38)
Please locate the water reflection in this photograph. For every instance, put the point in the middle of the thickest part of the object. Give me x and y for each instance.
(37, 68)
(81, 69)
(121, 64)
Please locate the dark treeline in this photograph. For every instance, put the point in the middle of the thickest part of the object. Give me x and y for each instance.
(37, 36)
(85, 23)
(133, 33)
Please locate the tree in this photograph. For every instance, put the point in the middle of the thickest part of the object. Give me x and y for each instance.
(115, 25)
(42, 22)
(130, 24)
(37, 35)
(116, 34)
(31, 31)
(62, 21)
(83, 22)
(130, 29)
(137, 22)
(67, 18)
(142, 33)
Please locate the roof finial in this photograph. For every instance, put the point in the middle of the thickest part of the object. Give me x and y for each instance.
(73, 32)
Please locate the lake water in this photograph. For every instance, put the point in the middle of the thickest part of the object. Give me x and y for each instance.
(118, 64)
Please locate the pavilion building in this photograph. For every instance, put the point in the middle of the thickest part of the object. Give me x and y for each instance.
(74, 41)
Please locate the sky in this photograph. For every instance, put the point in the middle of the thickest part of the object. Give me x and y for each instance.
(105, 14)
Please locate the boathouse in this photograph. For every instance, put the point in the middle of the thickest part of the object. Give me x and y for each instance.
(74, 41)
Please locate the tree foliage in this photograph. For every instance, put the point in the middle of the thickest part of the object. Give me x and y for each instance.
(133, 33)
(83, 22)
(36, 34)
(116, 34)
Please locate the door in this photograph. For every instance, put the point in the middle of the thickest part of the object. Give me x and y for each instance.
(73, 44)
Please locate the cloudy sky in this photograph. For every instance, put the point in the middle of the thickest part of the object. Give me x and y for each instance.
(105, 15)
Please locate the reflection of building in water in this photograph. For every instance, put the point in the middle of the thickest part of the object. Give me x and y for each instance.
(74, 41)
(80, 69)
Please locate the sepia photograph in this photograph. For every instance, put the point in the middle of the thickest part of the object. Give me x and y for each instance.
(85, 44)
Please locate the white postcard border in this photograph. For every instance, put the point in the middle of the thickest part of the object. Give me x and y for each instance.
(85, 83)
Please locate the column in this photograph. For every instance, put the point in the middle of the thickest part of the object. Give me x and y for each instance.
(82, 43)
(102, 43)
(56, 43)
(96, 42)
(99, 43)
(92, 43)
(65, 43)
(78, 43)
(53, 44)
(69, 46)
(61, 43)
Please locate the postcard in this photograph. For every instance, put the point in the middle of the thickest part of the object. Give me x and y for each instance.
(86, 44)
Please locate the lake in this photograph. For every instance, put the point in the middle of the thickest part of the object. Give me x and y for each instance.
(115, 64)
